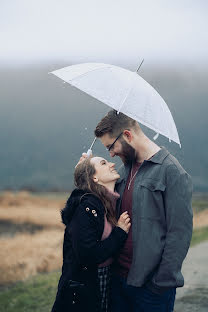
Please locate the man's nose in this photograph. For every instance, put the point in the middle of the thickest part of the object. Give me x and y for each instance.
(112, 154)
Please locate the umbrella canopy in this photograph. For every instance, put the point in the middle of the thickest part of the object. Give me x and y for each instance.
(124, 91)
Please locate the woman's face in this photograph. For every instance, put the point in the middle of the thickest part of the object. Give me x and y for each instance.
(105, 171)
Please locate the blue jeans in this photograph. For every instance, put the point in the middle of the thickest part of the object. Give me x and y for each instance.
(126, 298)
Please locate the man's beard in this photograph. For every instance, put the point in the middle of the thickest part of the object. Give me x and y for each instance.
(128, 154)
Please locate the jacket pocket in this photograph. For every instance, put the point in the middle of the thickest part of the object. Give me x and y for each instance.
(74, 296)
(69, 297)
(75, 284)
(150, 195)
(152, 185)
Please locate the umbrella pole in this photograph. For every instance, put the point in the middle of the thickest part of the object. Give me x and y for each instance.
(140, 66)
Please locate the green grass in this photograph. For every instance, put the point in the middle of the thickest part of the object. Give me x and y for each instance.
(199, 205)
(199, 202)
(199, 236)
(38, 293)
(35, 295)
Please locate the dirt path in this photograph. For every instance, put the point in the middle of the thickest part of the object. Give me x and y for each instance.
(193, 297)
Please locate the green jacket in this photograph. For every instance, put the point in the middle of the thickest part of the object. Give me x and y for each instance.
(161, 221)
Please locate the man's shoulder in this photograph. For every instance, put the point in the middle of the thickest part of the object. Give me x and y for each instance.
(172, 163)
(169, 166)
(173, 171)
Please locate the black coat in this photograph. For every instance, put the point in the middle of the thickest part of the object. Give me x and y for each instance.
(83, 250)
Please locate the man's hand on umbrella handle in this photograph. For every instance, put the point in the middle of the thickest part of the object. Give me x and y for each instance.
(83, 157)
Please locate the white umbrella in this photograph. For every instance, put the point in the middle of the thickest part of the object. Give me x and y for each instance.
(124, 91)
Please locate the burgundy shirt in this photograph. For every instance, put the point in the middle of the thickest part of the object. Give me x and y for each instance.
(124, 259)
(113, 196)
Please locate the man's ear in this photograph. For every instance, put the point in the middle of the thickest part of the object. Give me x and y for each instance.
(127, 135)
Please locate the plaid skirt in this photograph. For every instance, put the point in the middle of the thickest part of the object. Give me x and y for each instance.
(104, 276)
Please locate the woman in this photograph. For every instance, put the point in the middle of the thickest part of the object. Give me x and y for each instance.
(92, 237)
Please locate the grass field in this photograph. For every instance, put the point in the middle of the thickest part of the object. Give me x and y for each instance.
(36, 258)
(37, 294)
(199, 235)
(24, 254)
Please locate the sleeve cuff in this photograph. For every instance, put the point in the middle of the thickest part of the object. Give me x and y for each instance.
(121, 232)
(156, 289)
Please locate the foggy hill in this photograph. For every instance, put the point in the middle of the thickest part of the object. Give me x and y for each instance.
(45, 125)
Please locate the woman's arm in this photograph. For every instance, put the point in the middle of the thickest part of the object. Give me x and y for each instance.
(85, 234)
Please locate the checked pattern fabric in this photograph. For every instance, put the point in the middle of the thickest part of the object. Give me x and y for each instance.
(104, 276)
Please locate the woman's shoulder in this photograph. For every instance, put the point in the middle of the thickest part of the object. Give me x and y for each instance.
(77, 203)
(83, 197)
(90, 206)
(91, 199)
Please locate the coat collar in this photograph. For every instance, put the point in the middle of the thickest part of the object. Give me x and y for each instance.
(157, 159)
(159, 156)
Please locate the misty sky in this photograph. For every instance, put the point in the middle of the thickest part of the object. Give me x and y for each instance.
(36, 31)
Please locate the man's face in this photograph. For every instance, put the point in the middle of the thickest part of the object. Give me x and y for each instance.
(121, 148)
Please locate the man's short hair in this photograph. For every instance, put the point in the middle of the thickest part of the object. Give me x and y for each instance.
(113, 124)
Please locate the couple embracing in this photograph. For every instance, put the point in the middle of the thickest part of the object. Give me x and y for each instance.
(126, 233)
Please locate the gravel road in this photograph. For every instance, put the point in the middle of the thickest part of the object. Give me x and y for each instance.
(193, 297)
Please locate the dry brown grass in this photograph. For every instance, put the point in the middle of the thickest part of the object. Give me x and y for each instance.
(26, 255)
(201, 219)
(24, 208)
(30, 214)
(23, 198)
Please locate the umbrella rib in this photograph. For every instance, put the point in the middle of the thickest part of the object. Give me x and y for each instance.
(127, 94)
(150, 126)
(89, 71)
(123, 95)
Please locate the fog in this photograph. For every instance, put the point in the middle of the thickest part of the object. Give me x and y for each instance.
(45, 125)
(164, 31)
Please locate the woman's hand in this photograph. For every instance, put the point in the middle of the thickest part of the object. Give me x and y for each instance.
(124, 222)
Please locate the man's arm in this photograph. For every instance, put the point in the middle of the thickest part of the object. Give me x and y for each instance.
(179, 218)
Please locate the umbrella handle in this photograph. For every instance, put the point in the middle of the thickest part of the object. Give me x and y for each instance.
(89, 153)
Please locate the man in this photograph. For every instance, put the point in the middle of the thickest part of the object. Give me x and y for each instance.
(156, 191)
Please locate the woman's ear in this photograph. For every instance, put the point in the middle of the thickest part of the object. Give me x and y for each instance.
(95, 179)
(127, 135)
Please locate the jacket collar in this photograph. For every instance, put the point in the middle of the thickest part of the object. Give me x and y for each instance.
(157, 159)
(159, 156)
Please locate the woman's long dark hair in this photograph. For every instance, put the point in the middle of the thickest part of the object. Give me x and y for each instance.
(83, 179)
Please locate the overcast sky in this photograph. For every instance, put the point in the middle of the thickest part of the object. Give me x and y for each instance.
(38, 31)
